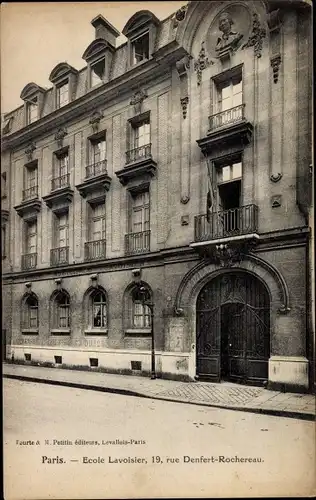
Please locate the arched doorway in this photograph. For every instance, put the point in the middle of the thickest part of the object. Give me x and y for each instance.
(233, 329)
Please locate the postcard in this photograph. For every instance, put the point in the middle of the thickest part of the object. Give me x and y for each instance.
(157, 230)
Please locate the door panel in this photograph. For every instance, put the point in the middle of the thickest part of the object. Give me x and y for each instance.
(208, 344)
(233, 329)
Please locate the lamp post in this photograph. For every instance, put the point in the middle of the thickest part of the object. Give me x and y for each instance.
(144, 294)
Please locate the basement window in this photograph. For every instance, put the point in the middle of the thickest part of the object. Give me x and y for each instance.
(28, 357)
(136, 365)
(58, 360)
(94, 362)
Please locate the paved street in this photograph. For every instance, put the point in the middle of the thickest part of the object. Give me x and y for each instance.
(225, 394)
(281, 449)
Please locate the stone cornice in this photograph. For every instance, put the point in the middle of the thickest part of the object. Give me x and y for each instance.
(161, 257)
(297, 235)
(124, 84)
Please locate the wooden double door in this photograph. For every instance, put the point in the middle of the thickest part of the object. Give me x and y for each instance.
(233, 329)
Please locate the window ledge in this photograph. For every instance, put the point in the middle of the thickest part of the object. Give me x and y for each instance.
(60, 331)
(136, 65)
(29, 331)
(96, 331)
(137, 332)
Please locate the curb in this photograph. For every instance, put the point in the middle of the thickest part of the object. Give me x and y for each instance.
(127, 392)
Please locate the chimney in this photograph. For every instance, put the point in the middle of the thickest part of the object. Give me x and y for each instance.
(105, 30)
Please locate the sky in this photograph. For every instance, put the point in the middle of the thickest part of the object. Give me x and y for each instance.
(37, 36)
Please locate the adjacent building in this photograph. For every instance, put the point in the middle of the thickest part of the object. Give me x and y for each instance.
(179, 161)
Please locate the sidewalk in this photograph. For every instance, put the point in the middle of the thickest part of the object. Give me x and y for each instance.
(223, 395)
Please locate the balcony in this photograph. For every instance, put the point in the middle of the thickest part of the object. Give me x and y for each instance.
(136, 243)
(29, 261)
(61, 192)
(96, 179)
(59, 256)
(30, 193)
(30, 202)
(60, 182)
(139, 162)
(95, 250)
(227, 127)
(236, 223)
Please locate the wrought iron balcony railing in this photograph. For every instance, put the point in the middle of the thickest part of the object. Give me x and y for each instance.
(60, 182)
(137, 242)
(30, 193)
(95, 169)
(137, 154)
(227, 223)
(227, 117)
(29, 261)
(95, 250)
(59, 256)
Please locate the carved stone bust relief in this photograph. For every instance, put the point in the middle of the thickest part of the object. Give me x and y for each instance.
(229, 37)
(229, 30)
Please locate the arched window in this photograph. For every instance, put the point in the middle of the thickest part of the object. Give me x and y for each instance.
(30, 313)
(61, 310)
(139, 313)
(98, 316)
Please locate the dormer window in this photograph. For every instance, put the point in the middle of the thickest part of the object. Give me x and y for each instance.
(33, 97)
(140, 48)
(64, 78)
(97, 72)
(140, 31)
(99, 53)
(32, 110)
(62, 94)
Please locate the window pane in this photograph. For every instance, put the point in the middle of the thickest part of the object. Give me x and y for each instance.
(146, 197)
(63, 95)
(140, 49)
(237, 88)
(237, 170)
(237, 100)
(31, 237)
(97, 72)
(32, 112)
(225, 173)
(31, 177)
(226, 91)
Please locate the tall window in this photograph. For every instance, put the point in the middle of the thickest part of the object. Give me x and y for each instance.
(97, 72)
(30, 182)
(30, 312)
(98, 150)
(229, 180)
(97, 222)
(62, 165)
(62, 94)
(61, 168)
(140, 48)
(61, 310)
(98, 317)
(140, 213)
(32, 110)
(140, 314)
(141, 134)
(62, 230)
(228, 107)
(31, 237)
(230, 94)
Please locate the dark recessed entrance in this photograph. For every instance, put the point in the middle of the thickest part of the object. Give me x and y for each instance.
(233, 329)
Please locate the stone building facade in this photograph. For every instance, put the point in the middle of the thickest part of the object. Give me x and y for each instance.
(180, 161)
